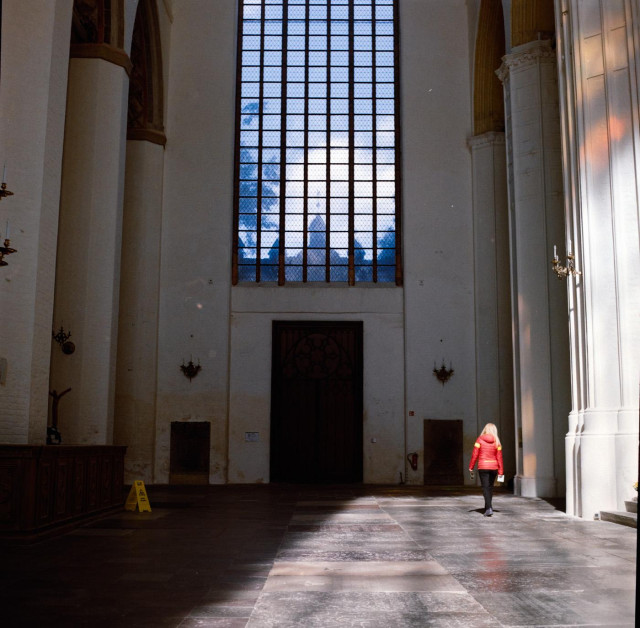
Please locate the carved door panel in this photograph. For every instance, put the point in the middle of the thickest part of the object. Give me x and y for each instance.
(443, 463)
(316, 407)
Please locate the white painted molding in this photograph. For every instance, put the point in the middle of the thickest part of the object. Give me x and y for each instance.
(527, 54)
(491, 138)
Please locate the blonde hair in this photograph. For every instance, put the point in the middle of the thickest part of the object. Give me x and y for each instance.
(490, 428)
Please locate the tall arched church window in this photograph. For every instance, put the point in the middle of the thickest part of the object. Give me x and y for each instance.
(317, 194)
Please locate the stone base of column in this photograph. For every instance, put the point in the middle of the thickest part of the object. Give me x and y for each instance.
(535, 486)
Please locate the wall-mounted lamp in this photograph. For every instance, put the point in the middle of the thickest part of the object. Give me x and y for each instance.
(62, 339)
(443, 373)
(564, 271)
(190, 370)
(6, 248)
(3, 187)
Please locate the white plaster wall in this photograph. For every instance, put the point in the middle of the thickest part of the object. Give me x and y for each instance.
(35, 52)
(253, 310)
(196, 225)
(437, 215)
(228, 330)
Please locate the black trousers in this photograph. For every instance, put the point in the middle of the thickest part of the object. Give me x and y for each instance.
(487, 478)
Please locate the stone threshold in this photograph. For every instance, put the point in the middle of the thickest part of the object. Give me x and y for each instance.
(624, 518)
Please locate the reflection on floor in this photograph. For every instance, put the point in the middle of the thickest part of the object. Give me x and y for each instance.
(326, 556)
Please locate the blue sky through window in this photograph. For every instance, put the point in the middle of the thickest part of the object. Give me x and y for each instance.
(317, 127)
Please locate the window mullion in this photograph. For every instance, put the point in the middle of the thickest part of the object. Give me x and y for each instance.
(351, 271)
(374, 151)
(236, 191)
(327, 190)
(305, 186)
(260, 148)
(397, 146)
(283, 145)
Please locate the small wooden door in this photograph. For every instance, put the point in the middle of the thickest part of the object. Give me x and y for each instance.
(316, 402)
(443, 464)
(190, 444)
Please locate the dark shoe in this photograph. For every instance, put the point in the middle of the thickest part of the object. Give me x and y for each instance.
(488, 512)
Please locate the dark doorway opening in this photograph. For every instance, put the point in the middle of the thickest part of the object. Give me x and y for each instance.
(443, 465)
(316, 402)
(189, 462)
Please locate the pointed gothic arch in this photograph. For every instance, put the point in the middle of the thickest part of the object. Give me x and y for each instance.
(145, 113)
(488, 102)
(531, 20)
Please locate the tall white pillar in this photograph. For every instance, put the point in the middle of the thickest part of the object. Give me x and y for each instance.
(529, 75)
(137, 371)
(599, 44)
(88, 268)
(33, 88)
(494, 360)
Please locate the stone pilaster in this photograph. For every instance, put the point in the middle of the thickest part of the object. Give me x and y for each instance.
(88, 268)
(598, 44)
(137, 370)
(538, 303)
(494, 362)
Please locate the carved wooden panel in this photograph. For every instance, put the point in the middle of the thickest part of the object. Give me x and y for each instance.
(9, 493)
(79, 488)
(316, 414)
(42, 487)
(118, 478)
(92, 483)
(63, 486)
(105, 480)
(44, 491)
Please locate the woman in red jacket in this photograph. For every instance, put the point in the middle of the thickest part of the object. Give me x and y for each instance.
(487, 451)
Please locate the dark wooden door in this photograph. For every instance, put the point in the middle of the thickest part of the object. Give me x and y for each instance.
(316, 402)
(189, 461)
(443, 453)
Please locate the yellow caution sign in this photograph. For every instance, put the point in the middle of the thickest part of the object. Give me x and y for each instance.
(138, 497)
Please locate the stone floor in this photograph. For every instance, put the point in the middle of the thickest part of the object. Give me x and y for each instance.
(328, 556)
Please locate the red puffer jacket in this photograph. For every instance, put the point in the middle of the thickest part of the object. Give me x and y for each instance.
(488, 455)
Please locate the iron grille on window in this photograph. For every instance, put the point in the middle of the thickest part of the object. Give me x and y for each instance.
(316, 194)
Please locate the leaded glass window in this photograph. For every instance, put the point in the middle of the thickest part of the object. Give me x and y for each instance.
(317, 196)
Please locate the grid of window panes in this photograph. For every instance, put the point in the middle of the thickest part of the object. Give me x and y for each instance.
(316, 197)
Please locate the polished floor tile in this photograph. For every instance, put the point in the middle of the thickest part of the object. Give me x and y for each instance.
(325, 556)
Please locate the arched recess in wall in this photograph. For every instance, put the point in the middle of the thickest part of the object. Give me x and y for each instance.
(145, 114)
(97, 31)
(488, 100)
(531, 20)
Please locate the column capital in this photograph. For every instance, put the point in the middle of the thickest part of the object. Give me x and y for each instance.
(528, 54)
(109, 53)
(490, 138)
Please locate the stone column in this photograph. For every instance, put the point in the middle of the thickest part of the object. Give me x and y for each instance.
(599, 44)
(88, 268)
(494, 361)
(538, 302)
(35, 58)
(137, 370)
